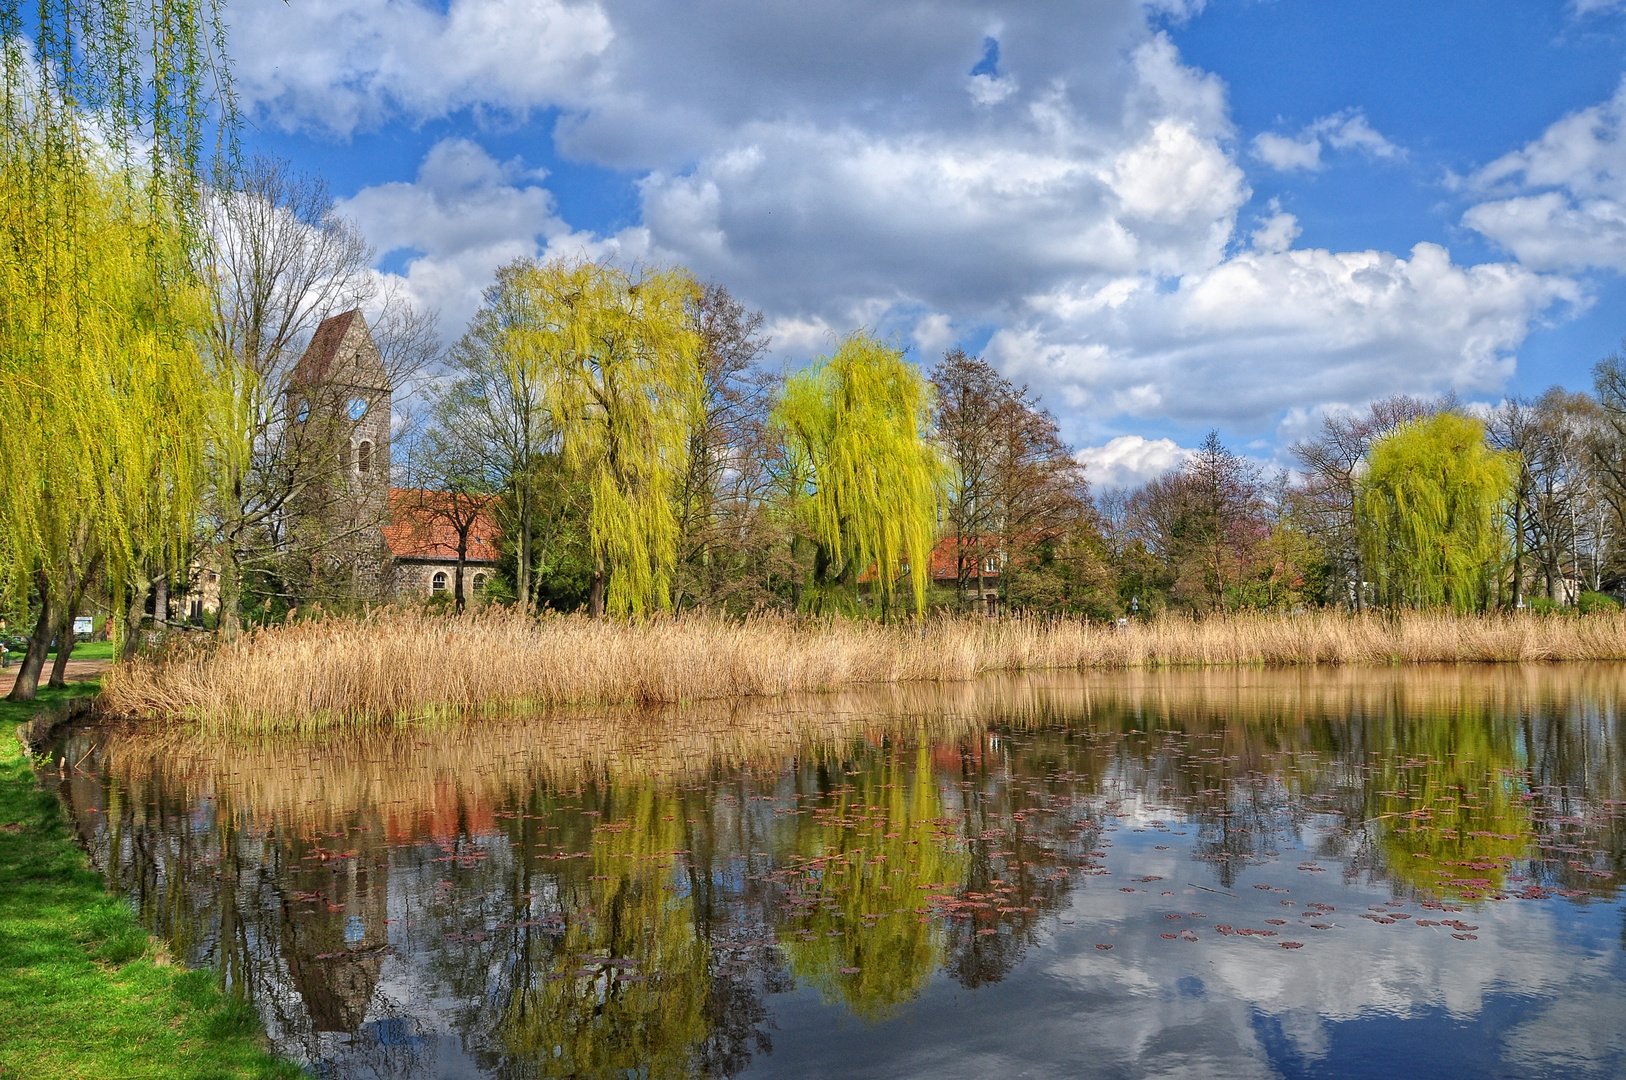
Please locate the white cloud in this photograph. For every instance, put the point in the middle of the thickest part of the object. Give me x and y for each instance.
(1285, 154)
(844, 168)
(1348, 130)
(1264, 331)
(1277, 232)
(1564, 195)
(1130, 461)
(990, 89)
(340, 67)
(462, 217)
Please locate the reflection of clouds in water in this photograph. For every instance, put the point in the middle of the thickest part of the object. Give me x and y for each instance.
(1575, 1034)
(1340, 976)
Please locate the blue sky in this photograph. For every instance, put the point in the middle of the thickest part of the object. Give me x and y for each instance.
(1165, 215)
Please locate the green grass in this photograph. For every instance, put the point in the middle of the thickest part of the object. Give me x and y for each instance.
(81, 995)
(85, 650)
(91, 650)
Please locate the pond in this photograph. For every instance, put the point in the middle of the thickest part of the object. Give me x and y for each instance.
(1347, 873)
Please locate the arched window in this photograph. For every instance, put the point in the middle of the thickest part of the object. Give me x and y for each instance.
(364, 456)
(438, 582)
(479, 582)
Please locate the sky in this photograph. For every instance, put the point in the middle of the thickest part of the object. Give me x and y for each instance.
(1164, 216)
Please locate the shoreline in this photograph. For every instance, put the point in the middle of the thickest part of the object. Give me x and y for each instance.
(400, 665)
(85, 991)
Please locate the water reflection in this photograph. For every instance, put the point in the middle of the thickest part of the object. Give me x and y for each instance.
(1221, 873)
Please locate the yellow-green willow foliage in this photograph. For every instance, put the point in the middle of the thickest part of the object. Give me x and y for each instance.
(622, 367)
(868, 479)
(101, 384)
(100, 381)
(1430, 506)
(881, 855)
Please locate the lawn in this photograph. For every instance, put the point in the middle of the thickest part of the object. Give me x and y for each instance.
(85, 650)
(81, 995)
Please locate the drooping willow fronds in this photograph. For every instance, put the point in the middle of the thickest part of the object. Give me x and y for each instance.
(102, 133)
(622, 369)
(1430, 505)
(855, 426)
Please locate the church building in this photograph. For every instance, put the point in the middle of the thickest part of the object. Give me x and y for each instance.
(391, 542)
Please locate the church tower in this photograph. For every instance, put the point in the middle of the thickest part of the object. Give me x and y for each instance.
(339, 411)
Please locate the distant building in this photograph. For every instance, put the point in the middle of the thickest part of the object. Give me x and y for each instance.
(422, 541)
(392, 542)
(981, 590)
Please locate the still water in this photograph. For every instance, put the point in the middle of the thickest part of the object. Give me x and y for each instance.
(1252, 874)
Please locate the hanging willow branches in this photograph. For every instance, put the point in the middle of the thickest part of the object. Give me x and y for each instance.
(1433, 497)
(104, 116)
(868, 480)
(620, 364)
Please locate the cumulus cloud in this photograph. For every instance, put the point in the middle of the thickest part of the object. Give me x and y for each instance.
(1348, 130)
(1277, 232)
(340, 67)
(1263, 331)
(463, 216)
(1563, 203)
(1130, 461)
(1055, 172)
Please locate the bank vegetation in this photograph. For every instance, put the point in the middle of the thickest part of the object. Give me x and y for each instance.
(400, 664)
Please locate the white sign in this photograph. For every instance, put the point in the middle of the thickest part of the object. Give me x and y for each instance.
(83, 624)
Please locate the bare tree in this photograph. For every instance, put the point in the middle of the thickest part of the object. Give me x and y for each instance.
(448, 486)
(726, 541)
(280, 262)
(971, 398)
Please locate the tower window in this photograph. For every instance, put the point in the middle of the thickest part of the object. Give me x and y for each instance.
(364, 456)
(438, 582)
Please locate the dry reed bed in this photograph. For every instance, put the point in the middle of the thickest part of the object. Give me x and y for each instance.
(409, 772)
(398, 664)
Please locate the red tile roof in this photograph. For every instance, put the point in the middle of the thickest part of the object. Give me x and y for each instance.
(417, 531)
(945, 565)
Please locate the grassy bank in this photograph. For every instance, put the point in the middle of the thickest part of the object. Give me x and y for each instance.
(397, 664)
(83, 991)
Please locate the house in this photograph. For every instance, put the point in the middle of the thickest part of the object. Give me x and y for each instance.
(981, 589)
(423, 536)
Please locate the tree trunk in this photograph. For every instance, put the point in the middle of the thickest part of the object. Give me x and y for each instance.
(160, 601)
(133, 616)
(462, 560)
(523, 574)
(231, 574)
(28, 677)
(64, 636)
(231, 592)
(595, 598)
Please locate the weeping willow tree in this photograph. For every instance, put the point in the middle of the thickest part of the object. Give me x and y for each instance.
(1431, 502)
(622, 376)
(865, 478)
(101, 384)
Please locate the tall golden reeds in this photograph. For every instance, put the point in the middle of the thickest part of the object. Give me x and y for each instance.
(397, 664)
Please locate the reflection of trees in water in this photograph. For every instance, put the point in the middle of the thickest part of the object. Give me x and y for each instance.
(860, 865)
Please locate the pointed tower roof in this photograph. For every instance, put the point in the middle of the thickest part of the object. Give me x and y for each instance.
(341, 350)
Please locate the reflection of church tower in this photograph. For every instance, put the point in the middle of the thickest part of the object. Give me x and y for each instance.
(339, 401)
(335, 944)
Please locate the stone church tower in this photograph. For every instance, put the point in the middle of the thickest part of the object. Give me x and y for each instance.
(339, 405)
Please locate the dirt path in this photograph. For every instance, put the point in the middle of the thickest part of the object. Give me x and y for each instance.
(78, 671)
